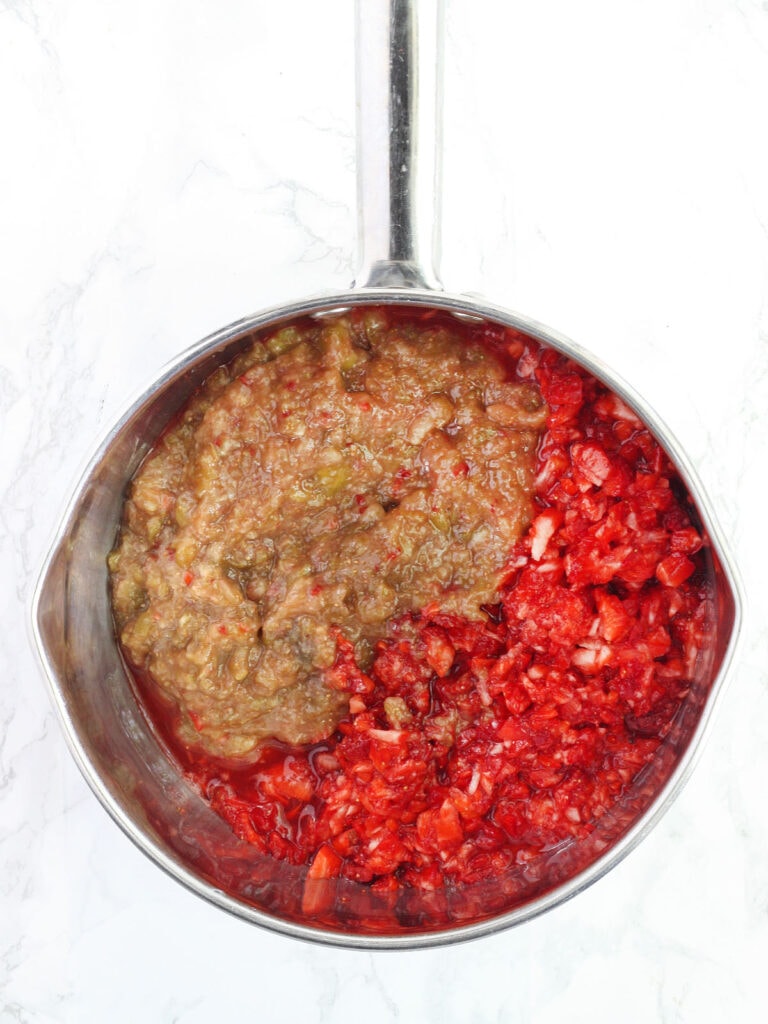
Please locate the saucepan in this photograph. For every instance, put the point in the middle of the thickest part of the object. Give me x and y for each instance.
(114, 743)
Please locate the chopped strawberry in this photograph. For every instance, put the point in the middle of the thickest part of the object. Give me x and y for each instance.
(290, 779)
(614, 620)
(319, 885)
(542, 530)
(325, 864)
(674, 569)
(687, 540)
(591, 463)
(439, 828)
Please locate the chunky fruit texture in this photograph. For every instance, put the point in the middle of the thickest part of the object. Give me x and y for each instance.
(472, 747)
(340, 472)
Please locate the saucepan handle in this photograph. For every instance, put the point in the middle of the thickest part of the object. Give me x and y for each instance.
(399, 49)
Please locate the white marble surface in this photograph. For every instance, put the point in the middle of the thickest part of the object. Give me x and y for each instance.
(167, 166)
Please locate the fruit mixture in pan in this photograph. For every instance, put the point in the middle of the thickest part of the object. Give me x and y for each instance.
(413, 600)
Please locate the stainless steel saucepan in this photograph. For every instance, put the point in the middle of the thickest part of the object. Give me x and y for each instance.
(110, 738)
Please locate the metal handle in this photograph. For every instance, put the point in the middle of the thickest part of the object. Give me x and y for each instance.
(399, 71)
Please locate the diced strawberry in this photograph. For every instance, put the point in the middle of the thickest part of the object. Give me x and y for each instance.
(587, 564)
(440, 828)
(545, 777)
(542, 530)
(385, 853)
(449, 830)
(686, 540)
(610, 407)
(551, 470)
(511, 730)
(325, 864)
(592, 658)
(641, 562)
(614, 620)
(290, 779)
(565, 389)
(592, 463)
(318, 894)
(674, 569)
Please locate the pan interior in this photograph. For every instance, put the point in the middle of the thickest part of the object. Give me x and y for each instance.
(134, 776)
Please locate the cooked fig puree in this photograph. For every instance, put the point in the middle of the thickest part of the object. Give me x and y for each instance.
(340, 473)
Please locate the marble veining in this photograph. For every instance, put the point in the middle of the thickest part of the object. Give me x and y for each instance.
(168, 167)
